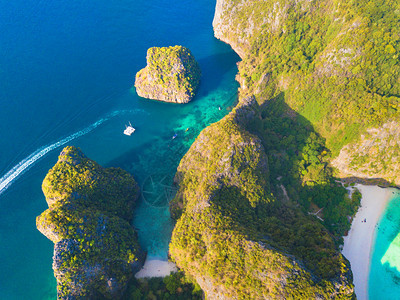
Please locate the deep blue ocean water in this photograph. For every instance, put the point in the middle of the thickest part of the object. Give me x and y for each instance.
(66, 74)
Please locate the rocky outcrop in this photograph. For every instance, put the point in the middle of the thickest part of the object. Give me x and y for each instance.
(238, 22)
(96, 251)
(229, 29)
(340, 95)
(172, 74)
(375, 155)
(227, 219)
(306, 61)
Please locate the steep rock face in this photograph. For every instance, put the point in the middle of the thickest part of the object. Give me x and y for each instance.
(329, 70)
(172, 74)
(230, 232)
(374, 156)
(224, 28)
(238, 22)
(330, 60)
(90, 209)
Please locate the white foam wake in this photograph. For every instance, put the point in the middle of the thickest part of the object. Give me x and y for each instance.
(26, 163)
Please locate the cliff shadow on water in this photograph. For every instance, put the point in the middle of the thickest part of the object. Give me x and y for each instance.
(214, 68)
(299, 166)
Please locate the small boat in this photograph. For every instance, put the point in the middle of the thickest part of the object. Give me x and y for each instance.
(175, 135)
(129, 129)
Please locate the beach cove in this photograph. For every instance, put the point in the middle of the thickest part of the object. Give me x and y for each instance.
(360, 243)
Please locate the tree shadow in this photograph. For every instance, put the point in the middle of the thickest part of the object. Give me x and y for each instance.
(300, 174)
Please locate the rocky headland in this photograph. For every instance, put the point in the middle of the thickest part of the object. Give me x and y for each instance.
(172, 75)
(96, 251)
(259, 211)
(260, 214)
(234, 236)
(314, 57)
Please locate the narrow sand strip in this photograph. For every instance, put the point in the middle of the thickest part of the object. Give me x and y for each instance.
(359, 241)
(156, 268)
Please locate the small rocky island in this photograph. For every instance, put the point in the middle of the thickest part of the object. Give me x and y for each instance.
(96, 251)
(172, 74)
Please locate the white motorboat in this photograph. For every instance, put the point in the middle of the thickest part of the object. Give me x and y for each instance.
(129, 129)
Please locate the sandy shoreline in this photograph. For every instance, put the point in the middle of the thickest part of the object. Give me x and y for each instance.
(359, 241)
(156, 268)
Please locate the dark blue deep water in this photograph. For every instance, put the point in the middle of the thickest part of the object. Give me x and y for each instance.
(66, 74)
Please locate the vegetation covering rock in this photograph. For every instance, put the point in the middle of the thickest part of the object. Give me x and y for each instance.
(373, 156)
(235, 237)
(172, 74)
(175, 286)
(325, 77)
(334, 63)
(96, 251)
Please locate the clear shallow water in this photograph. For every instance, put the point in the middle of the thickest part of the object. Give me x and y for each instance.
(66, 72)
(384, 278)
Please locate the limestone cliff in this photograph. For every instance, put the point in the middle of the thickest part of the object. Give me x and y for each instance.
(374, 157)
(259, 211)
(234, 237)
(228, 27)
(332, 63)
(96, 250)
(172, 74)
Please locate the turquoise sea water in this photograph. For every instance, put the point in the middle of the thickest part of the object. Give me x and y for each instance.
(66, 75)
(384, 278)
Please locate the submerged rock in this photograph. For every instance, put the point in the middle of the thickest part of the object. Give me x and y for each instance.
(172, 74)
(96, 251)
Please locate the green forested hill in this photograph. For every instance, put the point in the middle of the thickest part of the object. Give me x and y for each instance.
(259, 198)
(326, 74)
(335, 63)
(234, 237)
(96, 251)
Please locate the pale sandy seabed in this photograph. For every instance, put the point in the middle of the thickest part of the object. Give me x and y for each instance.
(156, 268)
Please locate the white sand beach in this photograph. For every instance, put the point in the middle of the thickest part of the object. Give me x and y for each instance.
(358, 243)
(156, 268)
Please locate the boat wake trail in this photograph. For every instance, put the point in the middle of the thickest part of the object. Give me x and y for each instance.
(26, 163)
